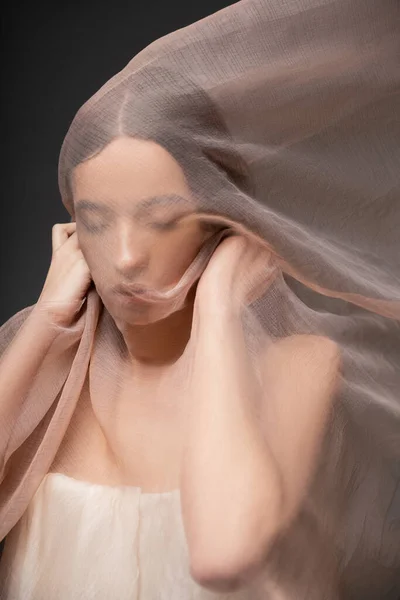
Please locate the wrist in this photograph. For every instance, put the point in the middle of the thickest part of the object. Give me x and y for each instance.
(57, 315)
(44, 317)
(217, 310)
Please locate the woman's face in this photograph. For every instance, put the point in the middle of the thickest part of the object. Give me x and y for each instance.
(130, 201)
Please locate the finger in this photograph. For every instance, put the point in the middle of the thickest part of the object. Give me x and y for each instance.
(60, 234)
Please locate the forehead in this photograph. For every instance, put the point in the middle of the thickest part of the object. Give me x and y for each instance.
(127, 170)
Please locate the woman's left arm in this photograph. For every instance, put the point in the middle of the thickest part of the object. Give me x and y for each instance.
(252, 442)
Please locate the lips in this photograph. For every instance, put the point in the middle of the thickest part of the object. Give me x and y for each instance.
(136, 294)
(132, 291)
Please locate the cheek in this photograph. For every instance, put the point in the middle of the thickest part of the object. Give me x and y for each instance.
(96, 257)
(95, 246)
(171, 259)
(181, 249)
(92, 254)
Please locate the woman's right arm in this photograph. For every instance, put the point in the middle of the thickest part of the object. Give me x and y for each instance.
(62, 296)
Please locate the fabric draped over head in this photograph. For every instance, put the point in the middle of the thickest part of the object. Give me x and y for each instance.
(284, 117)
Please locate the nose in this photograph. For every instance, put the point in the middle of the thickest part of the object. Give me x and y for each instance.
(131, 252)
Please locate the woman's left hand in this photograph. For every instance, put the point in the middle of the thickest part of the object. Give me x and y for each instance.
(239, 272)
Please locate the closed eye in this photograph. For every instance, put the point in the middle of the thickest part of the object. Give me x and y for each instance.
(93, 228)
(164, 225)
(168, 223)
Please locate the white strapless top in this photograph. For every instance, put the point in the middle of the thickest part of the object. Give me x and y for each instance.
(85, 541)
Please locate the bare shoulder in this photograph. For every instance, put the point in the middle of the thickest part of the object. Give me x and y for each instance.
(314, 352)
(315, 344)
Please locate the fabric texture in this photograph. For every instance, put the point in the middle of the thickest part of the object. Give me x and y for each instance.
(284, 116)
(116, 543)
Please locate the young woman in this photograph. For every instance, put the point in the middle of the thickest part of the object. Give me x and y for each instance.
(168, 403)
(136, 234)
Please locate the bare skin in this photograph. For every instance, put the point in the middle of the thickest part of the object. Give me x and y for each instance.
(129, 181)
(255, 428)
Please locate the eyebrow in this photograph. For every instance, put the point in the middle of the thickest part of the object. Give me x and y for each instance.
(91, 206)
(144, 207)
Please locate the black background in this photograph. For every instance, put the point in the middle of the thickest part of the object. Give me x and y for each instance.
(54, 57)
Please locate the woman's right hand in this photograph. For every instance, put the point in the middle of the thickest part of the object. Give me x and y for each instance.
(68, 278)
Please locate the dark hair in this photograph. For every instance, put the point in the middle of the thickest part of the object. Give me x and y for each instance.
(169, 110)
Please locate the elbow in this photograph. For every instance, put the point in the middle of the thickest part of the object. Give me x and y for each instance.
(235, 565)
(215, 580)
(227, 576)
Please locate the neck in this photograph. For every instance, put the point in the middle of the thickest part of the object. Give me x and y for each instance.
(163, 342)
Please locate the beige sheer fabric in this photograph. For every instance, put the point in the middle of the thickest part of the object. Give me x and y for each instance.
(284, 116)
(149, 558)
